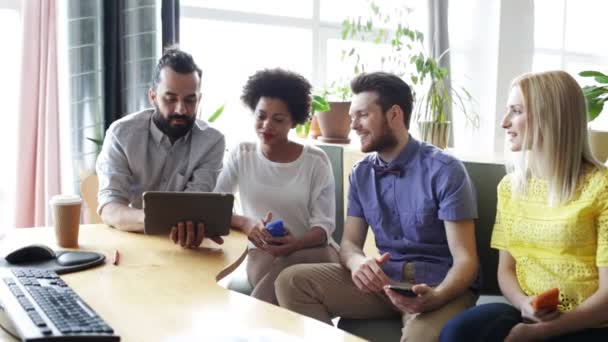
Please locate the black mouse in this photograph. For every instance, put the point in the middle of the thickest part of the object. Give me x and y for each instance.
(31, 253)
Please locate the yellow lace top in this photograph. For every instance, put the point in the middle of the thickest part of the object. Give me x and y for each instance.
(560, 246)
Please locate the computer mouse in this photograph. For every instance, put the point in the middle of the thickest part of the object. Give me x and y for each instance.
(31, 253)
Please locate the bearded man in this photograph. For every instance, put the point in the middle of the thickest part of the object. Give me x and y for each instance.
(161, 149)
(420, 204)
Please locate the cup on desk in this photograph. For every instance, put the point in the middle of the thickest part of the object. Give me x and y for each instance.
(66, 215)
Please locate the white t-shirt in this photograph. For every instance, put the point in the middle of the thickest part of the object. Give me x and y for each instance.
(301, 193)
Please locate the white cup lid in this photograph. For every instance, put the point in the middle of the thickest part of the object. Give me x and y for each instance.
(65, 199)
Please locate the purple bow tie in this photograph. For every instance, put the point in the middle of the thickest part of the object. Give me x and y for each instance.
(382, 170)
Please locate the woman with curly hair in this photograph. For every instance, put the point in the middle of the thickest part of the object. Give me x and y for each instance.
(275, 175)
(551, 226)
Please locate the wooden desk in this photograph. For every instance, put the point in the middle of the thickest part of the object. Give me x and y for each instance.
(161, 292)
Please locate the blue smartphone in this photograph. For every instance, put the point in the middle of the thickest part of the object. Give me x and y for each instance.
(404, 290)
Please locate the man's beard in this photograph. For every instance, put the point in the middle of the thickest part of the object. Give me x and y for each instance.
(173, 132)
(383, 141)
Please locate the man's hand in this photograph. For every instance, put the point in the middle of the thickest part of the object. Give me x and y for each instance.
(188, 237)
(528, 312)
(368, 276)
(281, 246)
(427, 299)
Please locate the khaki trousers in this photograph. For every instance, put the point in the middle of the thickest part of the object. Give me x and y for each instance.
(325, 291)
(263, 268)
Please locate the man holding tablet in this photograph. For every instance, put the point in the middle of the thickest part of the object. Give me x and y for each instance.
(160, 149)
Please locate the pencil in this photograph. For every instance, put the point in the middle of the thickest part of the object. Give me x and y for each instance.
(116, 257)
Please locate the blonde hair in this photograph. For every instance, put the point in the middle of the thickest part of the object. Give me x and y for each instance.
(555, 144)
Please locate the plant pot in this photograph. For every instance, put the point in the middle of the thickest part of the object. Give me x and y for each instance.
(335, 124)
(315, 131)
(598, 140)
(436, 133)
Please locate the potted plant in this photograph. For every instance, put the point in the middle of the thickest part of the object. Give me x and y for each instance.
(318, 104)
(596, 96)
(434, 98)
(334, 123)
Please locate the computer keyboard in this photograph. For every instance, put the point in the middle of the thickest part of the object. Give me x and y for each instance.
(39, 306)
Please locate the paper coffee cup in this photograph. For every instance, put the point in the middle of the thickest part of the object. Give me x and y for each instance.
(66, 216)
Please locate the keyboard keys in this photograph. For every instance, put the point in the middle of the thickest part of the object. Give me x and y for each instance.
(25, 303)
(53, 307)
(35, 316)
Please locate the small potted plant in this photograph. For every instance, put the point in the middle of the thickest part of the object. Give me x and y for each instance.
(334, 123)
(596, 96)
(436, 100)
(318, 104)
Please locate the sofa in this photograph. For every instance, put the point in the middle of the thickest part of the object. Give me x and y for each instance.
(485, 178)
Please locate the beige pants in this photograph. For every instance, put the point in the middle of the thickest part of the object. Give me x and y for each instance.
(324, 291)
(263, 268)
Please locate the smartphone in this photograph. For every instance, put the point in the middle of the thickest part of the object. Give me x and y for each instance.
(404, 290)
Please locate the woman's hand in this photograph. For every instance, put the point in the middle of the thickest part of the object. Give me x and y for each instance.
(281, 246)
(530, 314)
(257, 233)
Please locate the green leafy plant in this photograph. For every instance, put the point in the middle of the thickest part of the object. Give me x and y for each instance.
(338, 91)
(437, 98)
(216, 114)
(596, 95)
(406, 57)
(319, 104)
(98, 143)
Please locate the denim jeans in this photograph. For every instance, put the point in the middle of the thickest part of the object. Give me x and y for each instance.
(493, 322)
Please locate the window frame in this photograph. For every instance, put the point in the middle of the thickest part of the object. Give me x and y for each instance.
(567, 55)
(321, 31)
(11, 4)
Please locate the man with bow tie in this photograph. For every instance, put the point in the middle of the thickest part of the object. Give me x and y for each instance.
(420, 205)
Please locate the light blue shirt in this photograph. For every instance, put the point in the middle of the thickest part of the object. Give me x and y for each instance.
(138, 157)
(405, 203)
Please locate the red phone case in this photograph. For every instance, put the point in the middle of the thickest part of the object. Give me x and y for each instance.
(547, 300)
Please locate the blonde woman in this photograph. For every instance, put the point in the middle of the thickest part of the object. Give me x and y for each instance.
(551, 225)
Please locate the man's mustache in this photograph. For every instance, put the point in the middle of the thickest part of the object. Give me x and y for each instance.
(179, 117)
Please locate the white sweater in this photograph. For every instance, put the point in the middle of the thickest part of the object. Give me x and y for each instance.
(301, 193)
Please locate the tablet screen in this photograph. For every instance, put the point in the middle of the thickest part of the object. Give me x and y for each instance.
(164, 209)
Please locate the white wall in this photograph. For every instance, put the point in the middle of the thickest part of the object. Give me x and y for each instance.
(474, 31)
(515, 54)
(491, 43)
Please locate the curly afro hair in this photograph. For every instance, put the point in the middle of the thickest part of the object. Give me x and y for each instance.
(288, 86)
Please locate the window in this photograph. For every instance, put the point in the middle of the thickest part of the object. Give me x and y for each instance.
(10, 21)
(492, 42)
(230, 40)
(81, 43)
(229, 58)
(569, 35)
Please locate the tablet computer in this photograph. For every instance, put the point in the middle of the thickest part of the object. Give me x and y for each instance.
(163, 209)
